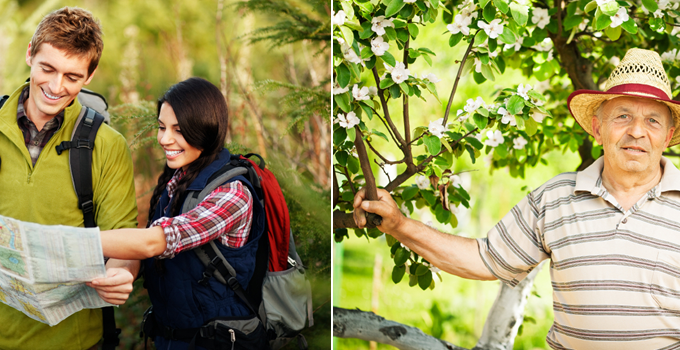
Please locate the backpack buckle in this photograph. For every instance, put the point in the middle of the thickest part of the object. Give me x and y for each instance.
(84, 143)
(86, 207)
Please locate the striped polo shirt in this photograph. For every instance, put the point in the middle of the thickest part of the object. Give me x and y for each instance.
(615, 274)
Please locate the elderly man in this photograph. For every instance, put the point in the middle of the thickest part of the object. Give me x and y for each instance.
(612, 231)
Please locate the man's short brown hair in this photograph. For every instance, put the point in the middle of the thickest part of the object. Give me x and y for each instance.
(73, 30)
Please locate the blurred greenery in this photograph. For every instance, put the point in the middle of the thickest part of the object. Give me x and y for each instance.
(269, 58)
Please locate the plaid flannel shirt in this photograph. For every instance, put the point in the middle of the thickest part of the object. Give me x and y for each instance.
(36, 140)
(226, 214)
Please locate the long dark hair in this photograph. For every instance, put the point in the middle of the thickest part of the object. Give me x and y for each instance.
(201, 113)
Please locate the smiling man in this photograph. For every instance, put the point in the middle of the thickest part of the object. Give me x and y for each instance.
(612, 231)
(35, 181)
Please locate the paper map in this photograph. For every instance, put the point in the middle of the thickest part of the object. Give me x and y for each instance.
(43, 269)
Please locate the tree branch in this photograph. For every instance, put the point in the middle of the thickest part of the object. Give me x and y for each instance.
(455, 83)
(383, 158)
(383, 102)
(371, 191)
(369, 326)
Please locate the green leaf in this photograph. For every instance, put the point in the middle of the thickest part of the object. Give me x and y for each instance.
(344, 75)
(366, 52)
(650, 5)
(366, 32)
(339, 136)
(398, 273)
(373, 232)
(413, 29)
(571, 22)
(395, 92)
(442, 214)
(446, 144)
(520, 122)
(341, 157)
(385, 83)
(474, 142)
(530, 126)
(428, 59)
(507, 36)
(402, 34)
(421, 270)
(393, 8)
(353, 165)
(389, 59)
(611, 8)
(487, 73)
(455, 39)
(591, 6)
(367, 109)
(433, 144)
(520, 13)
(613, 33)
(342, 100)
(390, 240)
(376, 132)
(352, 134)
(602, 21)
(434, 3)
(391, 33)
(348, 35)
(401, 256)
(405, 88)
(399, 23)
(515, 104)
(478, 77)
(480, 121)
(596, 151)
(630, 26)
(409, 192)
(429, 197)
(480, 38)
(425, 280)
(426, 50)
(482, 3)
(433, 89)
(502, 5)
(501, 150)
(489, 13)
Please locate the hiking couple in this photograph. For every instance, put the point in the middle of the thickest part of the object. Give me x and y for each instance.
(36, 186)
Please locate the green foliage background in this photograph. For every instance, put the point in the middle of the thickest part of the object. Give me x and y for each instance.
(271, 58)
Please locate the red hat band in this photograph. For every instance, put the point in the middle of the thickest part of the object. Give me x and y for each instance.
(639, 89)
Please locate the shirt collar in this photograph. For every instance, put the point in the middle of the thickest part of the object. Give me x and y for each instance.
(590, 179)
(21, 111)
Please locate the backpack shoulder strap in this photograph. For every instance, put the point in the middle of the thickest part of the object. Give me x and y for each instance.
(80, 159)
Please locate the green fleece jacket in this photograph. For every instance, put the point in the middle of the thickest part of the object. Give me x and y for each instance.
(44, 194)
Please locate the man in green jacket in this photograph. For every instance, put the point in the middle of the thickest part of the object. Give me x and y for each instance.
(35, 182)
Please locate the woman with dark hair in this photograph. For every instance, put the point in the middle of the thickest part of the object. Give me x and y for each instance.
(192, 126)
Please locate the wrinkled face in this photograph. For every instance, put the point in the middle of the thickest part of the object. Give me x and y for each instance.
(178, 152)
(634, 132)
(56, 79)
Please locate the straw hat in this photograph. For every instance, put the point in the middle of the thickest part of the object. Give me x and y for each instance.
(640, 74)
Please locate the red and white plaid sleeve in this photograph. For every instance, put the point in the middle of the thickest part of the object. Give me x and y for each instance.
(225, 214)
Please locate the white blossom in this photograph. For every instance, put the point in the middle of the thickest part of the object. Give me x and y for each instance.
(670, 56)
(478, 65)
(379, 46)
(460, 25)
(405, 247)
(542, 86)
(422, 182)
(540, 17)
(538, 116)
(507, 117)
(544, 46)
(462, 118)
(455, 180)
(373, 91)
(409, 1)
(658, 13)
(493, 54)
(404, 210)
(436, 128)
(583, 25)
(341, 41)
(493, 29)
(494, 138)
(601, 3)
(379, 24)
(431, 78)
(347, 121)
(338, 18)
(517, 45)
(399, 73)
(336, 89)
(434, 269)
(360, 94)
(620, 17)
(523, 91)
(519, 142)
(473, 105)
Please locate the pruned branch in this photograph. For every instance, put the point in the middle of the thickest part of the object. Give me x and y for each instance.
(455, 83)
(369, 326)
(383, 102)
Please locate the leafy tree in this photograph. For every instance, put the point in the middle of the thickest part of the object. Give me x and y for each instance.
(566, 45)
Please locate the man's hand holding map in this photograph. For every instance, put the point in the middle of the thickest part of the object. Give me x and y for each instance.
(43, 269)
